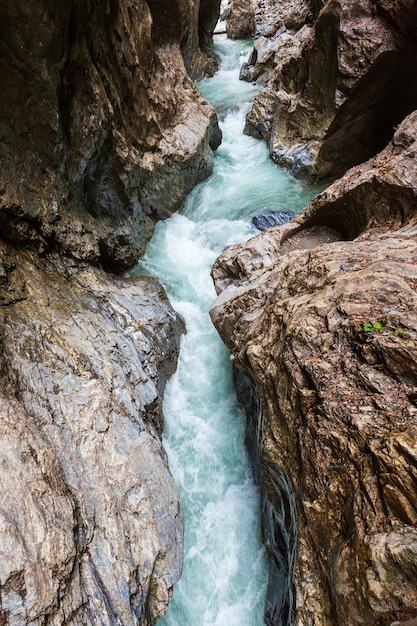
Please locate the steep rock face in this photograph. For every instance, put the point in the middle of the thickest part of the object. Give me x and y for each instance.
(91, 531)
(338, 76)
(197, 35)
(102, 131)
(320, 314)
(204, 61)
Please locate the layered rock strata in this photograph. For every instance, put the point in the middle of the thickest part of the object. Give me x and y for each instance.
(320, 316)
(338, 78)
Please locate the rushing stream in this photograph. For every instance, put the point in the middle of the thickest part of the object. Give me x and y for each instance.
(225, 568)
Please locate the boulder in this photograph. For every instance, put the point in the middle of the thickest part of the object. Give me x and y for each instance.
(271, 218)
(320, 318)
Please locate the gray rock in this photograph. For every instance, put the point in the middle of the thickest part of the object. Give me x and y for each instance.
(103, 132)
(240, 19)
(268, 219)
(91, 527)
(338, 76)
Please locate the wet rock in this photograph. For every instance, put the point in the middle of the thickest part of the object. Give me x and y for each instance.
(327, 333)
(271, 218)
(91, 530)
(338, 78)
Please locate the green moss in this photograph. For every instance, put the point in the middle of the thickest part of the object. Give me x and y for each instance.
(369, 326)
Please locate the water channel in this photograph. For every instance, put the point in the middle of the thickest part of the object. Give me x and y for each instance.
(225, 568)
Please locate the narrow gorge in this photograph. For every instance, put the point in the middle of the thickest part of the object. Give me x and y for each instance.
(104, 135)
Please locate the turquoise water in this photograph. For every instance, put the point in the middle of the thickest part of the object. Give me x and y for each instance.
(225, 568)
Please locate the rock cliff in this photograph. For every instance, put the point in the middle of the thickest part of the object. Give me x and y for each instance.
(320, 316)
(338, 78)
(240, 19)
(102, 132)
(91, 531)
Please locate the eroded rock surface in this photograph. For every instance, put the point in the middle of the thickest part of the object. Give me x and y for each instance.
(102, 131)
(203, 61)
(91, 531)
(320, 314)
(338, 76)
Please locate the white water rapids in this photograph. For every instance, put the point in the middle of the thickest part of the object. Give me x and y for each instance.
(225, 568)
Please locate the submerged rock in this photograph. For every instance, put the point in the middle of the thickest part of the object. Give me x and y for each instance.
(326, 334)
(271, 218)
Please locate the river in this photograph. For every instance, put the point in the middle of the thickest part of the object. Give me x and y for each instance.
(225, 567)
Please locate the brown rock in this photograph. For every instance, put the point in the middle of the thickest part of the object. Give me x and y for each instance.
(327, 333)
(240, 19)
(102, 131)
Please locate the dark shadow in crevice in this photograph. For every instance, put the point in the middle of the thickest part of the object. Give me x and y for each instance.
(374, 203)
(366, 122)
(166, 21)
(278, 510)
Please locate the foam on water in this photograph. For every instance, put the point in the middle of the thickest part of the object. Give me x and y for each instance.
(225, 568)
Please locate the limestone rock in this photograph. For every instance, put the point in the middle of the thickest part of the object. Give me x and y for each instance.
(338, 78)
(91, 531)
(320, 316)
(102, 131)
(37, 520)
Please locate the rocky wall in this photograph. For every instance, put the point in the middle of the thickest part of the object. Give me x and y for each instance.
(91, 531)
(240, 19)
(337, 76)
(102, 131)
(320, 317)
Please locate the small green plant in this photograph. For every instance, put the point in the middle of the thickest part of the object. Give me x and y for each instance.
(398, 331)
(368, 326)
